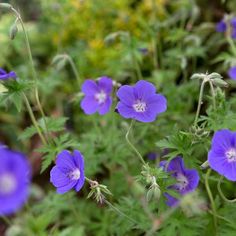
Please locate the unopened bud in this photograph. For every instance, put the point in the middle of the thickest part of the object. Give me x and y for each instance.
(13, 31)
(5, 6)
(219, 82)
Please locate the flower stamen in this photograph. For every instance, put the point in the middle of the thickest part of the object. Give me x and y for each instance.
(140, 106)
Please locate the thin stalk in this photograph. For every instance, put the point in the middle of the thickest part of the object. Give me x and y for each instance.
(134, 59)
(199, 102)
(214, 213)
(213, 94)
(131, 145)
(32, 117)
(18, 16)
(119, 212)
(75, 71)
(154, 45)
(222, 194)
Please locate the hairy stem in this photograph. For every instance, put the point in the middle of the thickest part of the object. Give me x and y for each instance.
(199, 102)
(213, 94)
(131, 145)
(75, 71)
(18, 16)
(32, 117)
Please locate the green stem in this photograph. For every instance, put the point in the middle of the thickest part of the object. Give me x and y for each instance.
(199, 102)
(32, 117)
(75, 71)
(211, 198)
(222, 194)
(119, 212)
(131, 145)
(134, 59)
(154, 45)
(18, 16)
(213, 94)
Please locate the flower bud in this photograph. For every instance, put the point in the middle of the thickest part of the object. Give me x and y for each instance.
(219, 82)
(5, 6)
(13, 31)
(154, 192)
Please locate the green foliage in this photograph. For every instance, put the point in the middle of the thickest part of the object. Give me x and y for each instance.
(168, 41)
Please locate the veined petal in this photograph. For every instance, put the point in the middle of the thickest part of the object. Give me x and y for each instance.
(105, 84)
(89, 87)
(105, 107)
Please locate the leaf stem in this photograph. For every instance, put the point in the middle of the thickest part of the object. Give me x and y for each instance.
(131, 145)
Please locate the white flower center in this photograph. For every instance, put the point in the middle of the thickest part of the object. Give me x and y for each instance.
(231, 155)
(182, 182)
(140, 106)
(75, 174)
(101, 97)
(8, 183)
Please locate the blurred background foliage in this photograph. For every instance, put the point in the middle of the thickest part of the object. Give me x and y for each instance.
(170, 40)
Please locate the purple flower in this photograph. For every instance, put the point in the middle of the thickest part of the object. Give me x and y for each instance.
(140, 102)
(222, 156)
(152, 156)
(233, 22)
(97, 96)
(68, 172)
(14, 180)
(5, 76)
(187, 180)
(232, 72)
(221, 26)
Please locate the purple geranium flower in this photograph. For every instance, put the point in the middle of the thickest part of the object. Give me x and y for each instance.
(232, 73)
(68, 172)
(221, 26)
(5, 76)
(140, 102)
(187, 180)
(222, 156)
(97, 96)
(14, 180)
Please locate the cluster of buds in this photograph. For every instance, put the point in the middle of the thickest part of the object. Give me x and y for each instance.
(213, 78)
(154, 191)
(98, 191)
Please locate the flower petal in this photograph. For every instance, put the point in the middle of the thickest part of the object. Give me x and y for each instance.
(144, 89)
(157, 103)
(232, 73)
(67, 187)
(105, 107)
(126, 95)
(89, 87)
(89, 105)
(125, 111)
(65, 161)
(171, 201)
(105, 84)
(176, 165)
(222, 140)
(58, 178)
